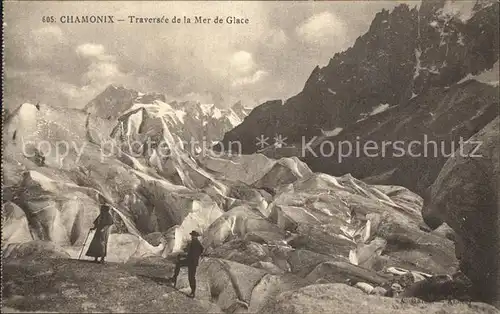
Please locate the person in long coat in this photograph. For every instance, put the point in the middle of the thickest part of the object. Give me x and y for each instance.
(102, 226)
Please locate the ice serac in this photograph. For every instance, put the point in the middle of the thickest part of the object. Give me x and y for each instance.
(245, 168)
(366, 225)
(284, 171)
(269, 225)
(184, 210)
(57, 193)
(465, 196)
(56, 134)
(333, 220)
(16, 229)
(411, 62)
(160, 148)
(55, 210)
(242, 222)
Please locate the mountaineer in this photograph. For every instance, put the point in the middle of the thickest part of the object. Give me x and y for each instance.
(102, 227)
(189, 259)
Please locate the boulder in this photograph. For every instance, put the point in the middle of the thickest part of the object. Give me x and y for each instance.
(321, 240)
(415, 249)
(343, 299)
(465, 196)
(241, 251)
(269, 267)
(303, 262)
(269, 287)
(342, 272)
(439, 288)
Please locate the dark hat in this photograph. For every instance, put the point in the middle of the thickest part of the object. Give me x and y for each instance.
(101, 198)
(194, 233)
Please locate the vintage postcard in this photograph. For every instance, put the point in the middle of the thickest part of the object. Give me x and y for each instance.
(251, 157)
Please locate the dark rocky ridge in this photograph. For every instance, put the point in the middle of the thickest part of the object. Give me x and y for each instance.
(465, 196)
(409, 58)
(441, 116)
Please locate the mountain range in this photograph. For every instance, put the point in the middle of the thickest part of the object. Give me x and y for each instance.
(189, 119)
(428, 71)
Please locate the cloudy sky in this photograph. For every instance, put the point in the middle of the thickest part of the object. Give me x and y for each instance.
(270, 58)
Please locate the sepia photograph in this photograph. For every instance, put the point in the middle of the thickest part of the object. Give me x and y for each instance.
(330, 157)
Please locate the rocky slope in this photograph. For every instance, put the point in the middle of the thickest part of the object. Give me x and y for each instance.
(190, 120)
(465, 196)
(64, 285)
(411, 62)
(411, 142)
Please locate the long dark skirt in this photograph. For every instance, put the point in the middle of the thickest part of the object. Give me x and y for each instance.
(99, 245)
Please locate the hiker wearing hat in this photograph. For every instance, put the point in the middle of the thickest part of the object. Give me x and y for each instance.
(194, 250)
(102, 227)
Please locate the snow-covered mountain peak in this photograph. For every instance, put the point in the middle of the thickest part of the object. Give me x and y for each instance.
(27, 111)
(186, 119)
(462, 10)
(206, 108)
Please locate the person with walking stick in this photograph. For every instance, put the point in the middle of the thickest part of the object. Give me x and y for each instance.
(102, 227)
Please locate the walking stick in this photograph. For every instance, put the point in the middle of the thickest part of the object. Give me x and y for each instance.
(84, 244)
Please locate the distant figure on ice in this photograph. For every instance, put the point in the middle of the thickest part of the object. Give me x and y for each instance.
(102, 227)
(189, 259)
